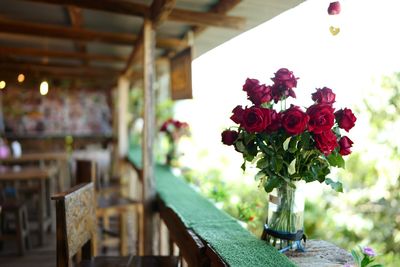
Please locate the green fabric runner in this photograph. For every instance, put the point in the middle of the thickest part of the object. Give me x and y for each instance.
(236, 245)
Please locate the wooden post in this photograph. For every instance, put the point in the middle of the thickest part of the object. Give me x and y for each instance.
(122, 110)
(148, 135)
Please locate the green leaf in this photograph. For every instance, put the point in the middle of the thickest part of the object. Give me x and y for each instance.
(305, 140)
(292, 167)
(271, 183)
(252, 149)
(377, 265)
(243, 166)
(286, 143)
(365, 261)
(293, 144)
(356, 257)
(240, 146)
(259, 175)
(336, 160)
(337, 186)
(262, 163)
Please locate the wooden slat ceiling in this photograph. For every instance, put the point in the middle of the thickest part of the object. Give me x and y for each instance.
(98, 39)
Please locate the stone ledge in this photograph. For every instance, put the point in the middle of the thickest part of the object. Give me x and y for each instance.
(320, 253)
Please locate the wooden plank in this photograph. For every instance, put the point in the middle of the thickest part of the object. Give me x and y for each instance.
(191, 247)
(160, 10)
(135, 9)
(52, 31)
(35, 52)
(54, 67)
(207, 19)
(148, 135)
(222, 7)
(31, 173)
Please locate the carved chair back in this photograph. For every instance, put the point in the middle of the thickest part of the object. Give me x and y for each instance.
(76, 223)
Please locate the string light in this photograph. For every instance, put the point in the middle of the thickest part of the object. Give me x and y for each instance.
(44, 88)
(21, 78)
(2, 84)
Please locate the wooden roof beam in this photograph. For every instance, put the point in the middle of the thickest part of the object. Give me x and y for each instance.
(135, 9)
(52, 31)
(35, 52)
(222, 7)
(57, 68)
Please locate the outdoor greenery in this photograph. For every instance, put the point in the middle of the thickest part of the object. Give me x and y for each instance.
(366, 214)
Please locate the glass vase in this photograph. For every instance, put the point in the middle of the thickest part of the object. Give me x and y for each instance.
(285, 223)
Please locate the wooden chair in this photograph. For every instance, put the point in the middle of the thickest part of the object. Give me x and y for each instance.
(112, 205)
(20, 233)
(76, 233)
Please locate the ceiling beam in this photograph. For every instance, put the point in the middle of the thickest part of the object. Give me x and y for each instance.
(222, 7)
(57, 68)
(161, 10)
(135, 9)
(46, 30)
(35, 52)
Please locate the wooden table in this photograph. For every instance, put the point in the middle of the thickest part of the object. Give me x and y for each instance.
(60, 158)
(43, 177)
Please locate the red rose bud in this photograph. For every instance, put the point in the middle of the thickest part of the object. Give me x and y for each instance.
(322, 118)
(294, 120)
(229, 137)
(345, 144)
(285, 77)
(256, 119)
(250, 84)
(275, 122)
(324, 96)
(237, 114)
(259, 94)
(345, 119)
(334, 8)
(326, 142)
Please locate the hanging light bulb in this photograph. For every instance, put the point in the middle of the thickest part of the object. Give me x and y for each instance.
(21, 78)
(44, 88)
(2, 84)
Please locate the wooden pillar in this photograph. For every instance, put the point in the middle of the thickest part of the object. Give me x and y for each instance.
(148, 135)
(122, 110)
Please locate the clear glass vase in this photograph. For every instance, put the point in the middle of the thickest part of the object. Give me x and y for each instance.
(285, 223)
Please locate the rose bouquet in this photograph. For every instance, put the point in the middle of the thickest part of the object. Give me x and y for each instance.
(289, 144)
(174, 130)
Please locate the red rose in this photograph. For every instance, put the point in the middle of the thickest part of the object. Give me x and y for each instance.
(237, 114)
(345, 144)
(324, 96)
(345, 118)
(326, 142)
(250, 84)
(321, 118)
(229, 137)
(259, 94)
(256, 119)
(275, 122)
(285, 77)
(164, 126)
(279, 91)
(294, 120)
(334, 8)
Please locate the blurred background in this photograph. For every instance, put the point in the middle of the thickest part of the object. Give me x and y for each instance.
(361, 65)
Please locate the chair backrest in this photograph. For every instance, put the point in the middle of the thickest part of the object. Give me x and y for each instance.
(76, 223)
(86, 171)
